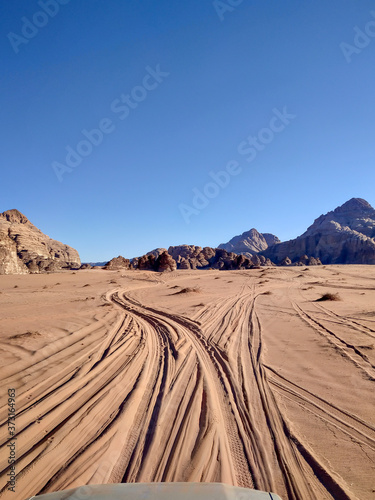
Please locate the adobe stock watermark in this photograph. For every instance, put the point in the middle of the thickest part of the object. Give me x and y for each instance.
(13, 438)
(30, 27)
(223, 6)
(121, 107)
(249, 149)
(362, 38)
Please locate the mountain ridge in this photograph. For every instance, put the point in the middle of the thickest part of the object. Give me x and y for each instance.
(345, 235)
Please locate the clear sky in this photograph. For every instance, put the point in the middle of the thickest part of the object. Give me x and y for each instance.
(262, 89)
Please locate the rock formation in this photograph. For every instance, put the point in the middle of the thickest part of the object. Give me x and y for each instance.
(195, 257)
(250, 243)
(156, 252)
(117, 263)
(345, 235)
(286, 262)
(86, 266)
(191, 256)
(25, 249)
(165, 262)
(156, 260)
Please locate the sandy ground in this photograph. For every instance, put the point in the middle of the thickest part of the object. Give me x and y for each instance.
(243, 378)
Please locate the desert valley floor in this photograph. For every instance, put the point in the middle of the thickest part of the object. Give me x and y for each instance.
(219, 376)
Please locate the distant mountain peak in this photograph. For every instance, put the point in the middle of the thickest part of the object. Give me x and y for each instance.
(354, 204)
(250, 242)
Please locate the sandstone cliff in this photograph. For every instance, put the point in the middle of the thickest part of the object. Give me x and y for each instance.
(25, 249)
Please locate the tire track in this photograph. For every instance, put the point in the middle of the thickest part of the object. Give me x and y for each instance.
(350, 351)
(146, 395)
(215, 377)
(348, 322)
(347, 422)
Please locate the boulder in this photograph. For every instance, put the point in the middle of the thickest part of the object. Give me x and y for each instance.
(286, 262)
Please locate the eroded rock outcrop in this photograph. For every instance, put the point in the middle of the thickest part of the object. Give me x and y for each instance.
(191, 256)
(165, 262)
(157, 260)
(156, 252)
(117, 263)
(196, 257)
(25, 249)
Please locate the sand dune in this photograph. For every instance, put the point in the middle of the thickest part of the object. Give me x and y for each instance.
(244, 379)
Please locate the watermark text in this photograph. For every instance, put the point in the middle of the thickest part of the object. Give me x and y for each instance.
(249, 148)
(362, 38)
(12, 443)
(31, 27)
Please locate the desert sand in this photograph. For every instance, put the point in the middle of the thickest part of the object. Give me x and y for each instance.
(238, 377)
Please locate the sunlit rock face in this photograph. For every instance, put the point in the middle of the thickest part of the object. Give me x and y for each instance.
(25, 249)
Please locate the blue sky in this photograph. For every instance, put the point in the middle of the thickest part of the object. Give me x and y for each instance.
(221, 72)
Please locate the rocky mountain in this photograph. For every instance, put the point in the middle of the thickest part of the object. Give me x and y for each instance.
(250, 243)
(25, 249)
(345, 235)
